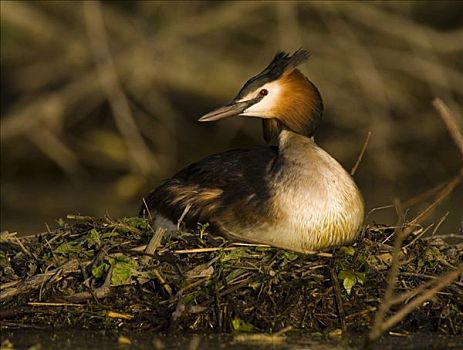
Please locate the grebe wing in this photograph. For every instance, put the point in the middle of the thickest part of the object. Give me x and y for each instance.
(215, 186)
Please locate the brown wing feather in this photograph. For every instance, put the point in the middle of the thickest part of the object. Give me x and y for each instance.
(226, 186)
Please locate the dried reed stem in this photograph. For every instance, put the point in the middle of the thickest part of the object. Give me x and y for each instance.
(427, 290)
(34, 303)
(36, 281)
(448, 188)
(385, 305)
(153, 244)
(439, 284)
(362, 152)
(450, 122)
(338, 298)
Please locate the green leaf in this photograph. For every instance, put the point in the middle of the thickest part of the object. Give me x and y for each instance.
(241, 326)
(136, 222)
(68, 248)
(432, 256)
(360, 277)
(110, 234)
(235, 254)
(202, 229)
(4, 260)
(100, 270)
(349, 279)
(263, 249)
(93, 238)
(348, 250)
(124, 269)
(290, 255)
(363, 258)
(349, 283)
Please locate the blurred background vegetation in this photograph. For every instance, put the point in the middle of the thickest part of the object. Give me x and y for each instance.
(99, 101)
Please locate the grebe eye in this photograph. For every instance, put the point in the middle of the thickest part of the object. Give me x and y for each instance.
(263, 92)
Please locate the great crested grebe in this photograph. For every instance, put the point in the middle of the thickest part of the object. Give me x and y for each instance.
(293, 195)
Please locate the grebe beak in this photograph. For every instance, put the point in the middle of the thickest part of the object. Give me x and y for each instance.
(230, 110)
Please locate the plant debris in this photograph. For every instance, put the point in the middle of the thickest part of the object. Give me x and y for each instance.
(100, 272)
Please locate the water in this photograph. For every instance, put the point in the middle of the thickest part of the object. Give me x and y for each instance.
(103, 340)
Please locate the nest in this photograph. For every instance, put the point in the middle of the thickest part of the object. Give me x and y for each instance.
(100, 272)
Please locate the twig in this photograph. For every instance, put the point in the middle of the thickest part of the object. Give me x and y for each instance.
(450, 121)
(282, 331)
(418, 235)
(440, 197)
(202, 250)
(80, 217)
(51, 145)
(141, 157)
(389, 206)
(9, 284)
(422, 196)
(362, 152)
(35, 282)
(185, 211)
(33, 303)
(403, 297)
(18, 242)
(99, 293)
(163, 282)
(373, 17)
(338, 298)
(146, 209)
(440, 283)
(445, 236)
(391, 282)
(381, 324)
(441, 221)
(119, 315)
(179, 310)
(153, 244)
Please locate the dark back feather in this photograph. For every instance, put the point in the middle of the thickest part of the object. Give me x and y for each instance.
(222, 184)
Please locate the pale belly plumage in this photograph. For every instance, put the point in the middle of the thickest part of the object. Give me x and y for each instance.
(316, 205)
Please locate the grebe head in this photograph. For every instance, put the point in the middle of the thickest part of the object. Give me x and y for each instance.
(281, 95)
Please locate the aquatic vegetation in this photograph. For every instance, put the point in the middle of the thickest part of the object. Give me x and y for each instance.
(102, 272)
